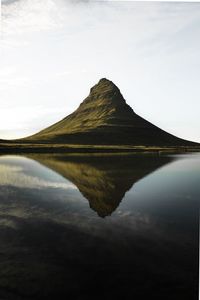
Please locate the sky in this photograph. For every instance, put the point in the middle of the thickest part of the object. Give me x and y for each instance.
(53, 51)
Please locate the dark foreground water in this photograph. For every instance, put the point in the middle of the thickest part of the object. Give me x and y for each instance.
(99, 227)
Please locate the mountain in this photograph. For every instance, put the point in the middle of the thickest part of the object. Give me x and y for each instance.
(103, 180)
(104, 118)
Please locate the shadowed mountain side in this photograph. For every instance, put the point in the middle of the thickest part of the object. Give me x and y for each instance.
(104, 118)
(103, 180)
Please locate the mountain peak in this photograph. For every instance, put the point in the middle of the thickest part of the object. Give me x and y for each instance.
(105, 89)
(105, 81)
(103, 86)
(105, 102)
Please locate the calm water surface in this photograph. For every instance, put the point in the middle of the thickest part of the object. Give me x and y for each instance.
(99, 227)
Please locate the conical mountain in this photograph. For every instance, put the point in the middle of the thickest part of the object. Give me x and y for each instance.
(104, 118)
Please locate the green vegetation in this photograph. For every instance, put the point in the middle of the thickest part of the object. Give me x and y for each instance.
(103, 122)
(71, 148)
(104, 118)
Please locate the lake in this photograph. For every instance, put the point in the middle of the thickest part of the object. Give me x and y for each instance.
(99, 226)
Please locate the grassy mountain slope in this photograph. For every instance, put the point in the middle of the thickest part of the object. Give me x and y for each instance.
(104, 118)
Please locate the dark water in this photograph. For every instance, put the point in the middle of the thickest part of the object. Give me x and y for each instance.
(99, 227)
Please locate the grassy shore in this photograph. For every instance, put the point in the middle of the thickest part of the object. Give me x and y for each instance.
(70, 148)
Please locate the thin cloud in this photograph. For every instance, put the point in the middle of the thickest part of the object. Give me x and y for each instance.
(150, 50)
(143, 22)
(24, 16)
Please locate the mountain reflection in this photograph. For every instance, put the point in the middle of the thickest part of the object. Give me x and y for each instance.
(103, 180)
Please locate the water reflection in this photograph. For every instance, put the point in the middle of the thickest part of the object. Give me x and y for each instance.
(103, 180)
(52, 243)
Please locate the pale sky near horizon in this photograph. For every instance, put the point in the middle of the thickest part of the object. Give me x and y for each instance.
(53, 51)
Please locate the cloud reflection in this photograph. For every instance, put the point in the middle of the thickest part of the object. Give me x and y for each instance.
(14, 176)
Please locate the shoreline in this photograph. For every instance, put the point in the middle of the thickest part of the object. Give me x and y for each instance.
(67, 148)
